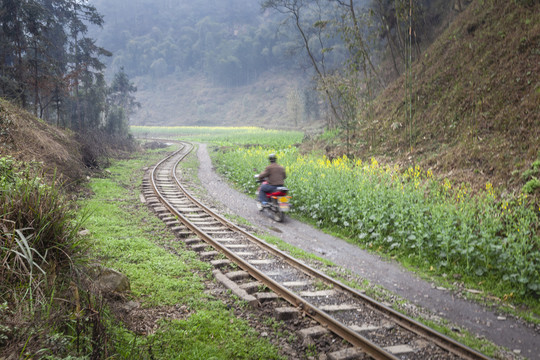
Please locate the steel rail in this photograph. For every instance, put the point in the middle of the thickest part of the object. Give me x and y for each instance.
(332, 324)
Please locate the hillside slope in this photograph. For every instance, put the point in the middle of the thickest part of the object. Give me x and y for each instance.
(195, 101)
(476, 99)
(26, 138)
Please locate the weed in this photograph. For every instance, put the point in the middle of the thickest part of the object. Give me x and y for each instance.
(321, 285)
(311, 351)
(531, 186)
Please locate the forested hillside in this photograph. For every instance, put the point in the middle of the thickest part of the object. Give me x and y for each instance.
(235, 62)
(201, 63)
(51, 66)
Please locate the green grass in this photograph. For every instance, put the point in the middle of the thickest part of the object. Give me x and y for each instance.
(129, 238)
(224, 136)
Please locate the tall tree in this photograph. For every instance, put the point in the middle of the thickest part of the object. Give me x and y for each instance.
(311, 36)
(121, 104)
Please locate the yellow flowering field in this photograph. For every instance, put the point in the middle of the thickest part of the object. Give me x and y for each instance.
(406, 213)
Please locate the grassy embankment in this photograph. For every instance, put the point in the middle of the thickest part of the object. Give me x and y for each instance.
(47, 309)
(129, 238)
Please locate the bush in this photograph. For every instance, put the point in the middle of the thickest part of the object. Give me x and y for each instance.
(39, 226)
(38, 243)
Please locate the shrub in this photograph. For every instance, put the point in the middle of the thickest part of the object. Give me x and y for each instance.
(38, 228)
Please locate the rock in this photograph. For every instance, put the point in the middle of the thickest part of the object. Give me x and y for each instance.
(131, 305)
(109, 280)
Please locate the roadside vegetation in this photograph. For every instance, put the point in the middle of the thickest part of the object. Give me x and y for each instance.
(40, 254)
(165, 278)
(486, 240)
(480, 240)
(51, 309)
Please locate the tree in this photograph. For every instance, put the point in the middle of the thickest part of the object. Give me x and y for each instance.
(121, 104)
(309, 36)
(46, 58)
(295, 106)
(84, 63)
(14, 19)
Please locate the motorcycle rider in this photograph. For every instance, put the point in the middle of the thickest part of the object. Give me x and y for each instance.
(275, 176)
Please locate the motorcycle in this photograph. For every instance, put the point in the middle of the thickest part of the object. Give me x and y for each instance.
(278, 201)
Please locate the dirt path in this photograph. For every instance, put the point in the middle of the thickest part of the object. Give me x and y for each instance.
(498, 328)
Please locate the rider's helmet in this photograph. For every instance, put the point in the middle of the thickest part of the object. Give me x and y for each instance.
(272, 158)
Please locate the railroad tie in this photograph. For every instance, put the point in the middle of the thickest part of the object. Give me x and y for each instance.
(262, 261)
(231, 285)
(192, 241)
(199, 247)
(208, 254)
(317, 293)
(219, 263)
(351, 353)
(295, 284)
(308, 335)
(339, 307)
(287, 313)
(399, 349)
(251, 287)
(266, 296)
(238, 275)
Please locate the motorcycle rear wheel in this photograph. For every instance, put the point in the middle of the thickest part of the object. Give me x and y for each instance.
(278, 216)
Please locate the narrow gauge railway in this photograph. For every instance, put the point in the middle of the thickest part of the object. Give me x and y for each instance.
(370, 328)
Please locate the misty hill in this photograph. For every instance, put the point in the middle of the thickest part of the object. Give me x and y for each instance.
(229, 62)
(210, 62)
(195, 101)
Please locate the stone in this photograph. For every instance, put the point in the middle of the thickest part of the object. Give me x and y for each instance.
(110, 280)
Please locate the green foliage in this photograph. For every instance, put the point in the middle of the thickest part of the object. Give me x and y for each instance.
(531, 176)
(39, 249)
(223, 136)
(410, 215)
(531, 186)
(58, 71)
(132, 239)
(39, 226)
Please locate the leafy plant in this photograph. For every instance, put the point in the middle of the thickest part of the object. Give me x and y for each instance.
(531, 186)
(408, 214)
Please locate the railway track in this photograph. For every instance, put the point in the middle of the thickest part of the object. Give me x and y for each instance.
(370, 328)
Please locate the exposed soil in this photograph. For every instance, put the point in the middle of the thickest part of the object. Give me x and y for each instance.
(424, 297)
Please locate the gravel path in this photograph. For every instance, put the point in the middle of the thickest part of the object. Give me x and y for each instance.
(498, 328)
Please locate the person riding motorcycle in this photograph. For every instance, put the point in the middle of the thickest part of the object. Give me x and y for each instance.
(275, 176)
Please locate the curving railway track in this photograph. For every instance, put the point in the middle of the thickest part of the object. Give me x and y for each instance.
(370, 328)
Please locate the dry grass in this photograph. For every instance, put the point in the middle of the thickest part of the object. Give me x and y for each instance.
(477, 100)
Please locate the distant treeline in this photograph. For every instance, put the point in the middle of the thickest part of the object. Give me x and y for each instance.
(231, 42)
(49, 65)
